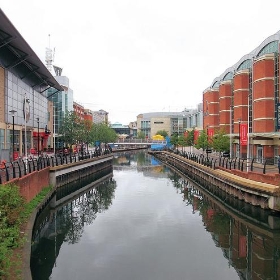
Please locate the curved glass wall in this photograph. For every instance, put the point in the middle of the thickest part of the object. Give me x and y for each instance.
(228, 76)
(246, 64)
(272, 47)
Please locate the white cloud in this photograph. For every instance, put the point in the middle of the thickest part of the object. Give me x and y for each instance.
(131, 57)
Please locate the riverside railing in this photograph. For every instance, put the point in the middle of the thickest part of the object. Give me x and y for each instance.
(22, 167)
(231, 163)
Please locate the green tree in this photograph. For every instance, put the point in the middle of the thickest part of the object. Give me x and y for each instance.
(163, 133)
(174, 139)
(190, 138)
(221, 141)
(70, 129)
(141, 135)
(202, 141)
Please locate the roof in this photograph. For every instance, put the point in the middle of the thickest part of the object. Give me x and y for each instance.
(19, 58)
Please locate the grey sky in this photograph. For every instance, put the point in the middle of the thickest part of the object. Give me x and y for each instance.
(136, 56)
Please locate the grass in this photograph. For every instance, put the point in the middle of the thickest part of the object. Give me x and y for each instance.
(14, 214)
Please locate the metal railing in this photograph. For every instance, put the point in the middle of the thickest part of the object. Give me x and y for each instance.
(231, 163)
(21, 167)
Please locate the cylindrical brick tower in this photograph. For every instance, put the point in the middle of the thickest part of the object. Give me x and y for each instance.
(240, 101)
(211, 108)
(225, 97)
(263, 94)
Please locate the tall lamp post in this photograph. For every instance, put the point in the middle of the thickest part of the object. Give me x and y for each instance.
(38, 144)
(26, 119)
(13, 116)
(239, 122)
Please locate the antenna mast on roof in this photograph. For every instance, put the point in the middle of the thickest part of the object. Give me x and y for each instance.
(49, 57)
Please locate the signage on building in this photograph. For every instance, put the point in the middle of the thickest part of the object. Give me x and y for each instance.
(243, 134)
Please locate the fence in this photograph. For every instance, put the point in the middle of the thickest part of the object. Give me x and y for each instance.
(21, 167)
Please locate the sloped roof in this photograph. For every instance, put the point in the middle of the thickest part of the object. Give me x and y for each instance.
(18, 57)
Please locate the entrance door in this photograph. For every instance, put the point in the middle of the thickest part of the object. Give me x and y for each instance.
(260, 154)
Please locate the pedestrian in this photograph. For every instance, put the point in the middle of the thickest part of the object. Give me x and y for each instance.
(279, 164)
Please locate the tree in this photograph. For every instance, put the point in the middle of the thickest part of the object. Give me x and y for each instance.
(70, 129)
(141, 135)
(202, 141)
(163, 133)
(221, 141)
(190, 138)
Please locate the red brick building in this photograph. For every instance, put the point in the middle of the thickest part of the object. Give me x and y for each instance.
(244, 102)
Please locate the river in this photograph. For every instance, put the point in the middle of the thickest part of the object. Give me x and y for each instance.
(147, 222)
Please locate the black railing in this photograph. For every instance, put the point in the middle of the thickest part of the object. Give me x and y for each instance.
(20, 167)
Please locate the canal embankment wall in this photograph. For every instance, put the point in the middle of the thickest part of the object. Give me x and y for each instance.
(256, 192)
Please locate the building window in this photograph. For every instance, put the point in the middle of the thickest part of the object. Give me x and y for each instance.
(269, 48)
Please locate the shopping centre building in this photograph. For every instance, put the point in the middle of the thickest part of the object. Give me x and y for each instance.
(25, 120)
(244, 102)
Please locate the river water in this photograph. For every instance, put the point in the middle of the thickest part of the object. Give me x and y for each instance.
(146, 222)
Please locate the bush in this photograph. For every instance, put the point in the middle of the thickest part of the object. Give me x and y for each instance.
(11, 207)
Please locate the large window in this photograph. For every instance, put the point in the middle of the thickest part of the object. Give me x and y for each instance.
(246, 64)
(269, 48)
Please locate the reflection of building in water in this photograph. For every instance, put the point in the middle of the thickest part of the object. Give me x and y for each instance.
(66, 223)
(248, 236)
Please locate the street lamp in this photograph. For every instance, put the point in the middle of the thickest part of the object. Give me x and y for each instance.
(26, 119)
(13, 147)
(38, 146)
(239, 122)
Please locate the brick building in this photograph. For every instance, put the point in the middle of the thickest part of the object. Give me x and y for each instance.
(244, 102)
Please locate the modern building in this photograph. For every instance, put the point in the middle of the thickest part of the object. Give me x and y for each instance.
(244, 102)
(100, 116)
(61, 102)
(24, 104)
(171, 122)
(123, 131)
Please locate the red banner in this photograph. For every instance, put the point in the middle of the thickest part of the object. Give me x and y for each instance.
(195, 136)
(242, 253)
(243, 134)
(210, 132)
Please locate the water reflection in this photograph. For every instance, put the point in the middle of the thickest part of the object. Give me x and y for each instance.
(150, 222)
(66, 224)
(248, 236)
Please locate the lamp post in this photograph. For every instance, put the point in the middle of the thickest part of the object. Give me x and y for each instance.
(26, 119)
(38, 146)
(239, 122)
(13, 116)
(207, 148)
(230, 133)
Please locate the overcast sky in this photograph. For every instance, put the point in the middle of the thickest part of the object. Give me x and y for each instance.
(137, 56)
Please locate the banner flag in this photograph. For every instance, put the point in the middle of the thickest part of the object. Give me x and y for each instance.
(196, 135)
(210, 132)
(243, 134)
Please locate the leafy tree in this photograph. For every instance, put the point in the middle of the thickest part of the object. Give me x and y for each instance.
(141, 135)
(174, 140)
(190, 138)
(163, 133)
(221, 141)
(202, 141)
(70, 129)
